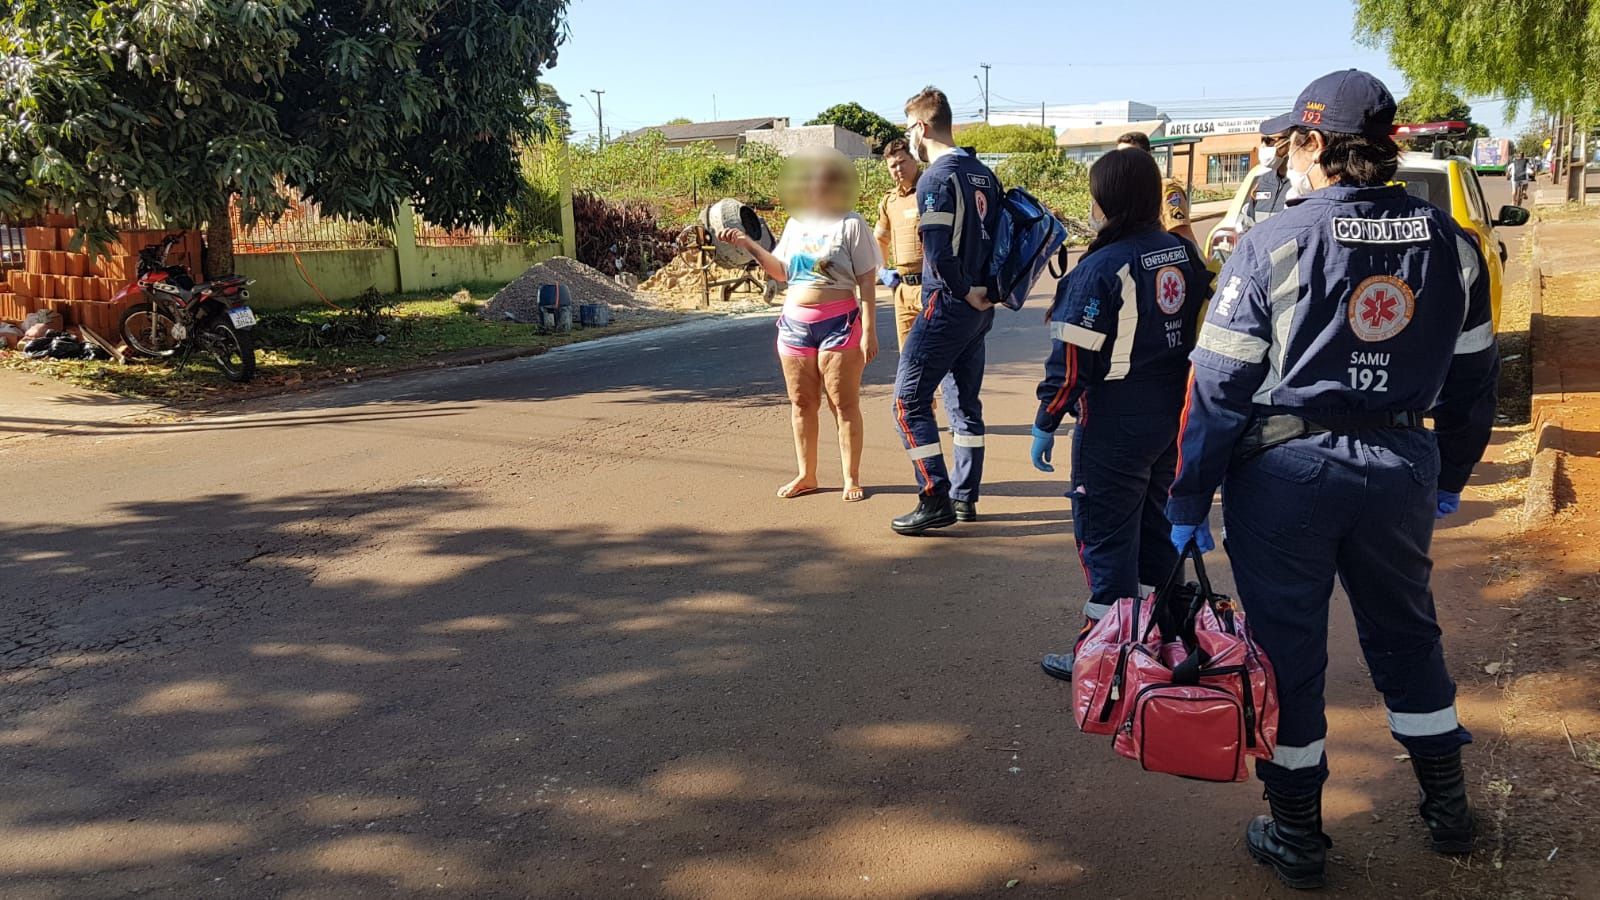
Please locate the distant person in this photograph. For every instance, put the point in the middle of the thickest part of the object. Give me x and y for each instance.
(1520, 174)
(828, 330)
(1343, 325)
(1134, 139)
(960, 201)
(899, 241)
(1123, 321)
(1271, 189)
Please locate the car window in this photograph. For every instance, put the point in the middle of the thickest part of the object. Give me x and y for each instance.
(1426, 185)
(1475, 201)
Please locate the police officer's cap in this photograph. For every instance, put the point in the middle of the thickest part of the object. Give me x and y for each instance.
(1346, 102)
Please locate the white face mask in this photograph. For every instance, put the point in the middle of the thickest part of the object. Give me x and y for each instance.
(1269, 154)
(914, 142)
(1096, 223)
(1299, 179)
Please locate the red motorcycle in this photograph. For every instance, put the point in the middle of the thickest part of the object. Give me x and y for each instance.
(179, 315)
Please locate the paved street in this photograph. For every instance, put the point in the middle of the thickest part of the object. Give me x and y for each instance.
(540, 628)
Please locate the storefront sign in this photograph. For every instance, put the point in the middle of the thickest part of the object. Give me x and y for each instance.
(1208, 127)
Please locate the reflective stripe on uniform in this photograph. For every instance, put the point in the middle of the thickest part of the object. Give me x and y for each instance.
(959, 217)
(1127, 328)
(1440, 721)
(968, 440)
(1283, 292)
(1307, 757)
(948, 220)
(1245, 348)
(1477, 339)
(923, 452)
(1470, 271)
(1096, 611)
(1077, 335)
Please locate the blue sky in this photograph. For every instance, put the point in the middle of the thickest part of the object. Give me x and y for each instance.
(717, 58)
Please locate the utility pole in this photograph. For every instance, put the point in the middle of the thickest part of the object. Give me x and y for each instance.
(600, 114)
(985, 68)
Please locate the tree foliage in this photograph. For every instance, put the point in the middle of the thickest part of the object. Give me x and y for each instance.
(165, 109)
(987, 138)
(1533, 141)
(855, 117)
(1437, 105)
(552, 114)
(1542, 51)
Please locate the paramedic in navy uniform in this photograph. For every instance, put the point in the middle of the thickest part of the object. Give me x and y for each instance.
(1339, 324)
(960, 202)
(1123, 323)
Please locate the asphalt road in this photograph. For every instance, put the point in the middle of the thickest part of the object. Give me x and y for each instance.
(541, 628)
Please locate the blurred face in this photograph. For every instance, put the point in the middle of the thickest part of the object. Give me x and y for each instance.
(902, 168)
(818, 185)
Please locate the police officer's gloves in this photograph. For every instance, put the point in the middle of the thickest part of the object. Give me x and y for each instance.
(1044, 444)
(1448, 503)
(889, 278)
(1199, 534)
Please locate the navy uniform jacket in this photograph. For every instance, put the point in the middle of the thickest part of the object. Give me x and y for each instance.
(1123, 323)
(960, 203)
(1352, 300)
(1266, 198)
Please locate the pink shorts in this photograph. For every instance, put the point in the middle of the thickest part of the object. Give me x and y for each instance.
(808, 330)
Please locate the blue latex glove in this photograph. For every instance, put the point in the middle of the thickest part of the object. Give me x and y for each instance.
(1448, 503)
(889, 278)
(1044, 444)
(1200, 534)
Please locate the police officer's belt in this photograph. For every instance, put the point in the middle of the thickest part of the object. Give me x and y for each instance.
(911, 277)
(1271, 430)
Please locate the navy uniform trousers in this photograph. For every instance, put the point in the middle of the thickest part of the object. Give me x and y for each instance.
(1122, 470)
(946, 340)
(1360, 507)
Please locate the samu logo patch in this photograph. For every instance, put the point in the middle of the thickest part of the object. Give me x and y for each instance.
(1381, 308)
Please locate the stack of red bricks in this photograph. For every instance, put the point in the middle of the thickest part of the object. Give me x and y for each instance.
(87, 290)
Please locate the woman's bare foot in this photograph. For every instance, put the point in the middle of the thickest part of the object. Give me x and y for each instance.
(797, 488)
(854, 493)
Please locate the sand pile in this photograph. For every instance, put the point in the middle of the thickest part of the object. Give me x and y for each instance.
(681, 280)
(520, 298)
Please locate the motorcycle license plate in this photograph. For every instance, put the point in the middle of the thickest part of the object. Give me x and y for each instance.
(242, 317)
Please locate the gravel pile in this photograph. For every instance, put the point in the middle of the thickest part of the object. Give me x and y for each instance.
(520, 298)
(682, 280)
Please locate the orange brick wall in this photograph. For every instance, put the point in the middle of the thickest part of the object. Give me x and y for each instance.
(79, 286)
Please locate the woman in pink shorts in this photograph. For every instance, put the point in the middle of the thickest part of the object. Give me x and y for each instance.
(828, 331)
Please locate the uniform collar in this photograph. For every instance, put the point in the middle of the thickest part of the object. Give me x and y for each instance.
(1339, 193)
(899, 191)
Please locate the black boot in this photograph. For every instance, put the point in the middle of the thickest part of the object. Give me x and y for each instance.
(1291, 839)
(1444, 807)
(966, 510)
(931, 512)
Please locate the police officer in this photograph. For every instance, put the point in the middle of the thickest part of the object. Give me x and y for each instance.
(960, 203)
(1341, 323)
(1123, 322)
(1271, 189)
(898, 238)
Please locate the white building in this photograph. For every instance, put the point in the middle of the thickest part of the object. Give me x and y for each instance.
(788, 140)
(1078, 115)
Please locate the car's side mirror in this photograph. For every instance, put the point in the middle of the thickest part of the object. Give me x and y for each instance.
(1512, 216)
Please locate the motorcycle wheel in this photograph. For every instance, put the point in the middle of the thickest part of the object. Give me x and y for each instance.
(147, 330)
(233, 349)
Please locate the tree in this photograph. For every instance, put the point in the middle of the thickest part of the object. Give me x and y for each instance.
(554, 114)
(1438, 105)
(1008, 138)
(854, 117)
(1533, 141)
(166, 111)
(681, 120)
(1533, 50)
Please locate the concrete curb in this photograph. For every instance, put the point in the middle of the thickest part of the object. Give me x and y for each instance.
(1539, 499)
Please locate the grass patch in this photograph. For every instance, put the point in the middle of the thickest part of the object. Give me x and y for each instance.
(1571, 212)
(317, 344)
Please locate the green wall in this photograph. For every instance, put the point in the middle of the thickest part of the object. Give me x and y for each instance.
(344, 274)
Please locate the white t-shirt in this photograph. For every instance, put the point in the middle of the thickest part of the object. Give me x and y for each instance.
(828, 253)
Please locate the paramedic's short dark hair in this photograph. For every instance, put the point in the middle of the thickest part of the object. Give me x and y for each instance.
(932, 106)
(1358, 160)
(1137, 138)
(898, 145)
